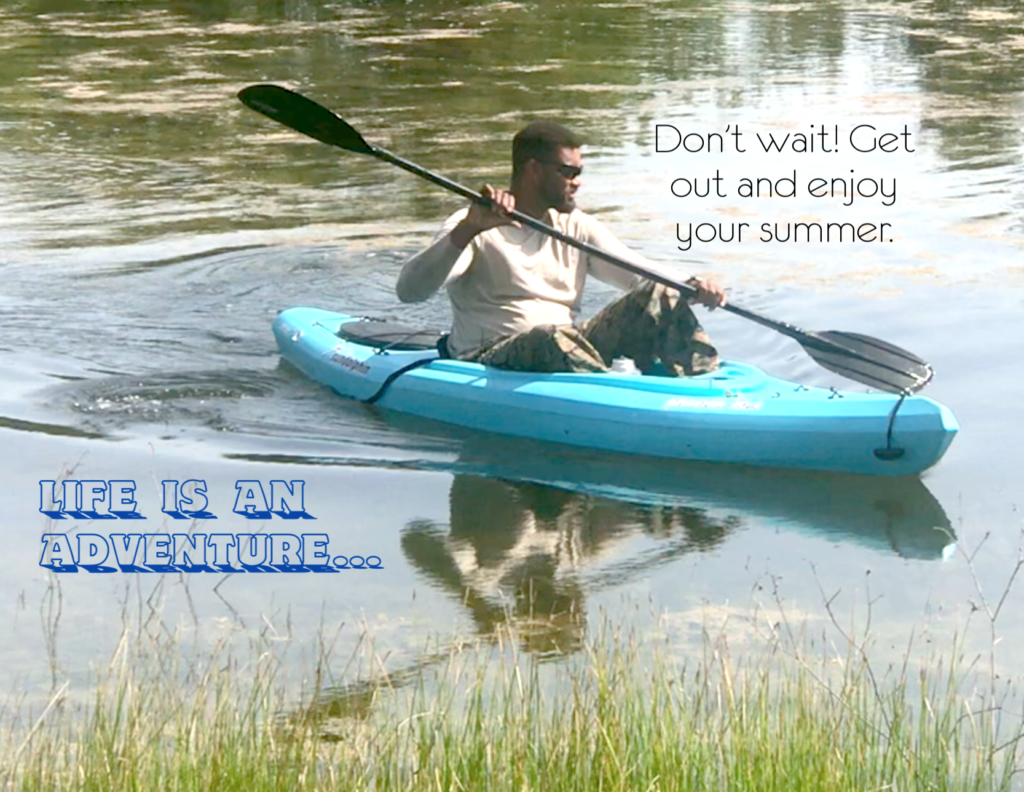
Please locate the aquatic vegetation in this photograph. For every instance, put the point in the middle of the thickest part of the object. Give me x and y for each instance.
(622, 715)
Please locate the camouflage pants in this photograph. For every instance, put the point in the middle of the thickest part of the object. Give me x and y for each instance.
(647, 324)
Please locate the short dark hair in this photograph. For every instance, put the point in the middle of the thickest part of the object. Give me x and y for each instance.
(540, 141)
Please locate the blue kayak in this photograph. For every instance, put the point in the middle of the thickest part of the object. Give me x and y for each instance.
(738, 414)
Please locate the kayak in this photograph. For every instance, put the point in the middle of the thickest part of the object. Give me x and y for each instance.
(738, 414)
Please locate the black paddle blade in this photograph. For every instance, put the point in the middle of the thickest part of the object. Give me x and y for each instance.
(869, 360)
(303, 115)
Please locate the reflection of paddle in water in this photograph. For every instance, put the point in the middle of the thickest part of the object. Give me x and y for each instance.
(516, 553)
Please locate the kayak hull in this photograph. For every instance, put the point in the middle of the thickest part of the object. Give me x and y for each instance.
(738, 414)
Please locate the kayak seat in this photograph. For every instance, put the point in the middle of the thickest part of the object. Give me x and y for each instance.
(382, 334)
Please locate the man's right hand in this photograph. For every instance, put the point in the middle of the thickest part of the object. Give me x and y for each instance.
(482, 216)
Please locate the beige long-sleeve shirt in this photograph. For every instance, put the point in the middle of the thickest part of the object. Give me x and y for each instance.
(510, 279)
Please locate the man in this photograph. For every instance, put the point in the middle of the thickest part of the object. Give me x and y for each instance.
(516, 292)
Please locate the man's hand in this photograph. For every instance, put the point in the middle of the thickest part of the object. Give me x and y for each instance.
(481, 216)
(709, 293)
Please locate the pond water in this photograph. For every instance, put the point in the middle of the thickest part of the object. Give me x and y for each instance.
(151, 227)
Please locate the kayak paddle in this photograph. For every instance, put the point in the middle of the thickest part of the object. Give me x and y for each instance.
(858, 357)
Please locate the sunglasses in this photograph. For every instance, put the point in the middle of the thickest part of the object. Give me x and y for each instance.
(567, 171)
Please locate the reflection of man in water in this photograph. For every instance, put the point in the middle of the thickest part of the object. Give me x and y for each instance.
(514, 552)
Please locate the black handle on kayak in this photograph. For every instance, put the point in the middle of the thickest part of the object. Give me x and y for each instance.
(858, 357)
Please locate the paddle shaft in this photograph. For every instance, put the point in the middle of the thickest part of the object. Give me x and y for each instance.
(859, 357)
(525, 219)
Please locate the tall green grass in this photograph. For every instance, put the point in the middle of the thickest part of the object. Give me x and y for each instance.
(618, 716)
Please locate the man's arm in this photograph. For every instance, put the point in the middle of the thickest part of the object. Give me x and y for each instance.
(428, 270)
(709, 293)
(448, 257)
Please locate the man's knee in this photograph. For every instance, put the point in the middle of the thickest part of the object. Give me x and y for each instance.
(544, 348)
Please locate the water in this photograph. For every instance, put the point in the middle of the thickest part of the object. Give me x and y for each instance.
(151, 227)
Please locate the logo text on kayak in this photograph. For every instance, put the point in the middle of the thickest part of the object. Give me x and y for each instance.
(691, 403)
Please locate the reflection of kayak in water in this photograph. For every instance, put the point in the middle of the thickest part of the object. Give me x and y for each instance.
(737, 414)
(892, 515)
(889, 514)
(526, 552)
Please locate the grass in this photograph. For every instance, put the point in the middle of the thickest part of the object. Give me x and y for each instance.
(614, 717)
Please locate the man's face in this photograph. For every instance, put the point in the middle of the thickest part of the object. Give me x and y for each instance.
(560, 179)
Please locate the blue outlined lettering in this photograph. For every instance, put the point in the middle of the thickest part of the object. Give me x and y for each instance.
(285, 550)
(287, 500)
(94, 498)
(122, 500)
(190, 549)
(126, 551)
(186, 501)
(98, 499)
(286, 508)
(88, 500)
(93, 551)
(57, 554)
(158, 552)
(318, 544)
(248, 503)
(221, 545)
(181, 552)
(249, 546)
